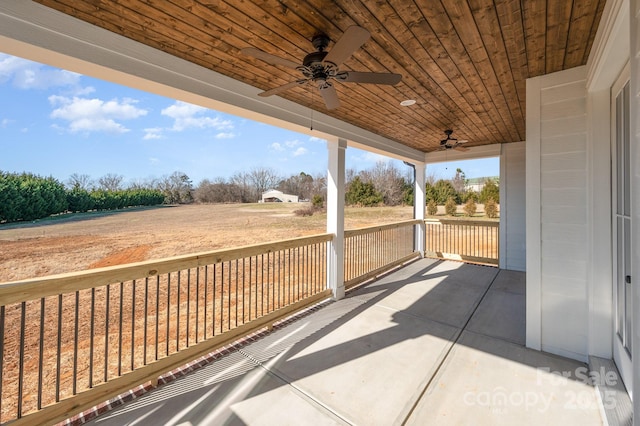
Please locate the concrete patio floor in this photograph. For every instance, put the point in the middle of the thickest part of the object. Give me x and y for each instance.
(436, 342)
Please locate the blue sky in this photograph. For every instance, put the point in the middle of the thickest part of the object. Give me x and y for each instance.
(55, 123)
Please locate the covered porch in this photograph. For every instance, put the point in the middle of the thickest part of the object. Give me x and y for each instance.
(440, 327)
(434, 342)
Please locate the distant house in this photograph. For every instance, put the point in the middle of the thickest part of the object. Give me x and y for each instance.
(476, 184)
(274, 196)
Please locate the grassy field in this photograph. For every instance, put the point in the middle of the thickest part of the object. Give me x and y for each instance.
(82, 241)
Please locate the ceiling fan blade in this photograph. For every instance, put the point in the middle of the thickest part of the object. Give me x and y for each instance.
(281, 88)
(369, 77)
(269, 58)
(463, 141)
(460, 148)
(330, 96)
(351, 40)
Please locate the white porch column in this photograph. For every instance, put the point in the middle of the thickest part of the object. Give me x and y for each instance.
(419, 205)
(335, 216)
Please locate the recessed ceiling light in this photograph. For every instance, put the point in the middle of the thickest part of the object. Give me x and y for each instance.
(408, 102)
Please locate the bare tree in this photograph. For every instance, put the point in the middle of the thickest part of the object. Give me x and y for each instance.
(242, 187)
(262, 179)
(111, 182)
(218, 191)
(80, 181)
(459, 181)
(147, 183)
(176, 187)
(387, 180)
(300, 185)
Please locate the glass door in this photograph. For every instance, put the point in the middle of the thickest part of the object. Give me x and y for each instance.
(621, 191)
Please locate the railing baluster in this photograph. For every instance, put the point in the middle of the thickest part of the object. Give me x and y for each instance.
(197, 302)
(120, 324)
(206, 299)
(133, 324)
(106, 333)
(178, 315)
(215, 298)
(92, 312)
(75, 343)
(236, 286)
(40, 355)
(188, 305)
(157, 315)
(21, 348)
(168, 334)
(146, 320)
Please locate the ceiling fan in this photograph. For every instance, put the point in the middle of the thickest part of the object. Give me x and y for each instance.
(452, 143)
(323, 67)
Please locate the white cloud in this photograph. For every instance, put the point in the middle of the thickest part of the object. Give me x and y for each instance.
(187, 116)
(225, 135)
(25, 74)
(300, 151)
(91, 115)
(5, 122)
(153, 133)
(277, 147)
(316, 139)
(154, 160)
(292, 144)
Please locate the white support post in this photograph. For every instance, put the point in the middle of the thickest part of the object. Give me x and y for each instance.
(419, 204)
(335, 216)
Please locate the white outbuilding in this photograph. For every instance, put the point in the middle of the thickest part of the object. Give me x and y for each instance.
(275, 196)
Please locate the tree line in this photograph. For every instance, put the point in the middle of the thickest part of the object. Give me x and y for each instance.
(25, 196)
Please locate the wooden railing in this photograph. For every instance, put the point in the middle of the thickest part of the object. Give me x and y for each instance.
(459, 239)
(71, 341)
(369, 251)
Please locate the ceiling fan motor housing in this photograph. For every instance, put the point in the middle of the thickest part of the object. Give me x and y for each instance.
(314, 58)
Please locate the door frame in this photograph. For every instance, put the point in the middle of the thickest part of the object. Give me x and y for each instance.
(621, 356)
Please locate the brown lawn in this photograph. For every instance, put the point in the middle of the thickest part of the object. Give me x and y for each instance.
(83, 241)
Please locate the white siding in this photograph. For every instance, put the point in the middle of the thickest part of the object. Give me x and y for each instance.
(513, 211)
(557, 218)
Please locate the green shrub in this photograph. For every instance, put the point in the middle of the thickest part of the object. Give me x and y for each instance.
(470, 207)
(489, 190)
(27, 196)
(317, 201)
(491, 208)
(432, 208)
(443, 190)
(79, 200)
(363, 194)
(450, 207)
(469, 195)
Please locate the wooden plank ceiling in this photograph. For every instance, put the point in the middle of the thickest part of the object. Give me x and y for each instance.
(465, 63)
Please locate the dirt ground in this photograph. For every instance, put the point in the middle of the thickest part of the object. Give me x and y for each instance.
(82, 241)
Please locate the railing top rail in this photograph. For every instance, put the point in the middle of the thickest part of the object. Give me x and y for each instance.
(369, 229)
(35, 288)
(490, 223)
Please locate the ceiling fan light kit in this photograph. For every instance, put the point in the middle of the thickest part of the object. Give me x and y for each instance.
(322, 67)
(451, 142)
